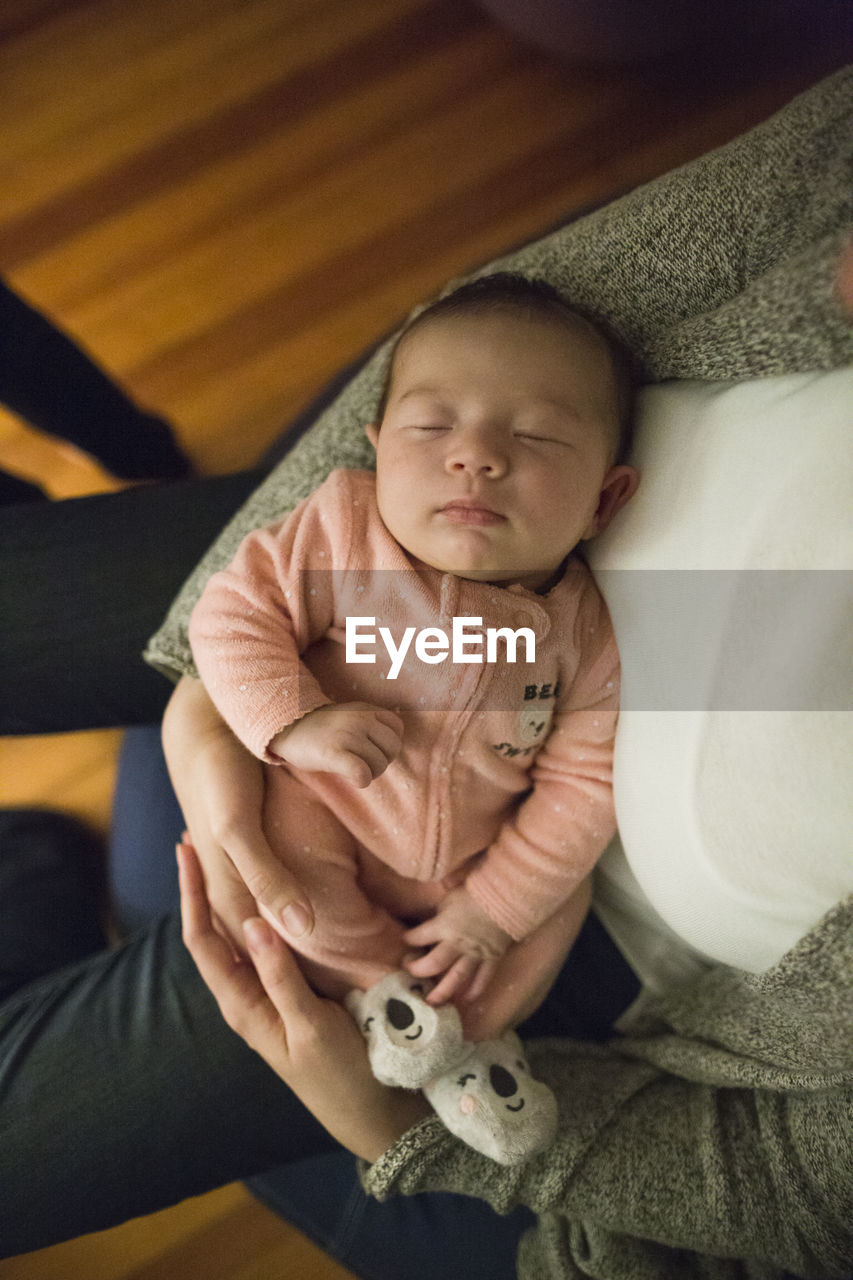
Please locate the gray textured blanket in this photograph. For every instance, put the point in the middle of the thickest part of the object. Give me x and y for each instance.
(722, 269)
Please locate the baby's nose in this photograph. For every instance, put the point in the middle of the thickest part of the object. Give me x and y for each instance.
(479, 454)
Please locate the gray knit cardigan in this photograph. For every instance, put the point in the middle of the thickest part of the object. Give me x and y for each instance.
(722, 269)
(715, 1139)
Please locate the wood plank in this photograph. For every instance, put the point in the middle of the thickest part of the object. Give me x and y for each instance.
(224, 1235)
(73, 772)
(171, 115)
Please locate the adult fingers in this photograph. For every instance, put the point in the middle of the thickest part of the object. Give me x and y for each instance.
(232, 981)
(269, 883)
(229, 898)
(229, 978)
(282, 980)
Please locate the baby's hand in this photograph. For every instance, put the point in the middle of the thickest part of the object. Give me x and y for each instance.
(353, 739)
(465, 946)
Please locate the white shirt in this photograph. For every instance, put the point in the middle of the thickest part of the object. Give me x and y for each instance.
(728, 581)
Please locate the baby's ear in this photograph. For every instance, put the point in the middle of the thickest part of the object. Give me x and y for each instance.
(619, 486)
(372, 432)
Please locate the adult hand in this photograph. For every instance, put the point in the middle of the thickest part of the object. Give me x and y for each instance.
(220, 788)
(355, 740)
(312, 1043)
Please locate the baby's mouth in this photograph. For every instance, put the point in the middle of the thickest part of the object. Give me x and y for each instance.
(466, 512)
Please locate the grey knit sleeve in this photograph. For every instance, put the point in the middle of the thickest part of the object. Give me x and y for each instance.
(716, 1134)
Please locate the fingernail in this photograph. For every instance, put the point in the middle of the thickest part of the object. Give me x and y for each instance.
(296, 919)
(256, 934)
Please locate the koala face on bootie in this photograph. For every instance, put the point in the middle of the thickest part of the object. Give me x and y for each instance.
(408, 1041)
(491, 1101)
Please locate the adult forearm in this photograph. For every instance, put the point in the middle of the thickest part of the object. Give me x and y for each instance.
(665, 1164)
(734, 1173)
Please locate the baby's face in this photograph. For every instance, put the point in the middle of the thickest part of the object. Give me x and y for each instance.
(495, 445)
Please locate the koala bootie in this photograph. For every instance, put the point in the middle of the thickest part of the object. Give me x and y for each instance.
(408, 1041)
(491, 1101)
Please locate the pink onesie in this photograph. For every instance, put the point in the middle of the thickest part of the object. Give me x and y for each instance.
(504, 782)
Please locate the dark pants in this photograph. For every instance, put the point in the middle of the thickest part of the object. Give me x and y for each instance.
(83, 584)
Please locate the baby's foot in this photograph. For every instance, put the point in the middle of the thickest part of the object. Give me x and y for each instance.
(491, 1101)
(408, 1041)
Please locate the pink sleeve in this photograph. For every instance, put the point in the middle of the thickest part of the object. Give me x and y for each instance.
(559, 831)
(257, 616)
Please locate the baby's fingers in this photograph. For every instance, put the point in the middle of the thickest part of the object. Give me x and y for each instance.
(437, 960)
(359, 764)
(480, 980)
(351, 766)
(456, 980)
(423, 935)
(391, 720)
(386, 740)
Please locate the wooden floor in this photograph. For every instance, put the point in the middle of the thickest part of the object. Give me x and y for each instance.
(225, 201)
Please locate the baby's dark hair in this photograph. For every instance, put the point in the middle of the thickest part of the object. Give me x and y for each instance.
(532, 298)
